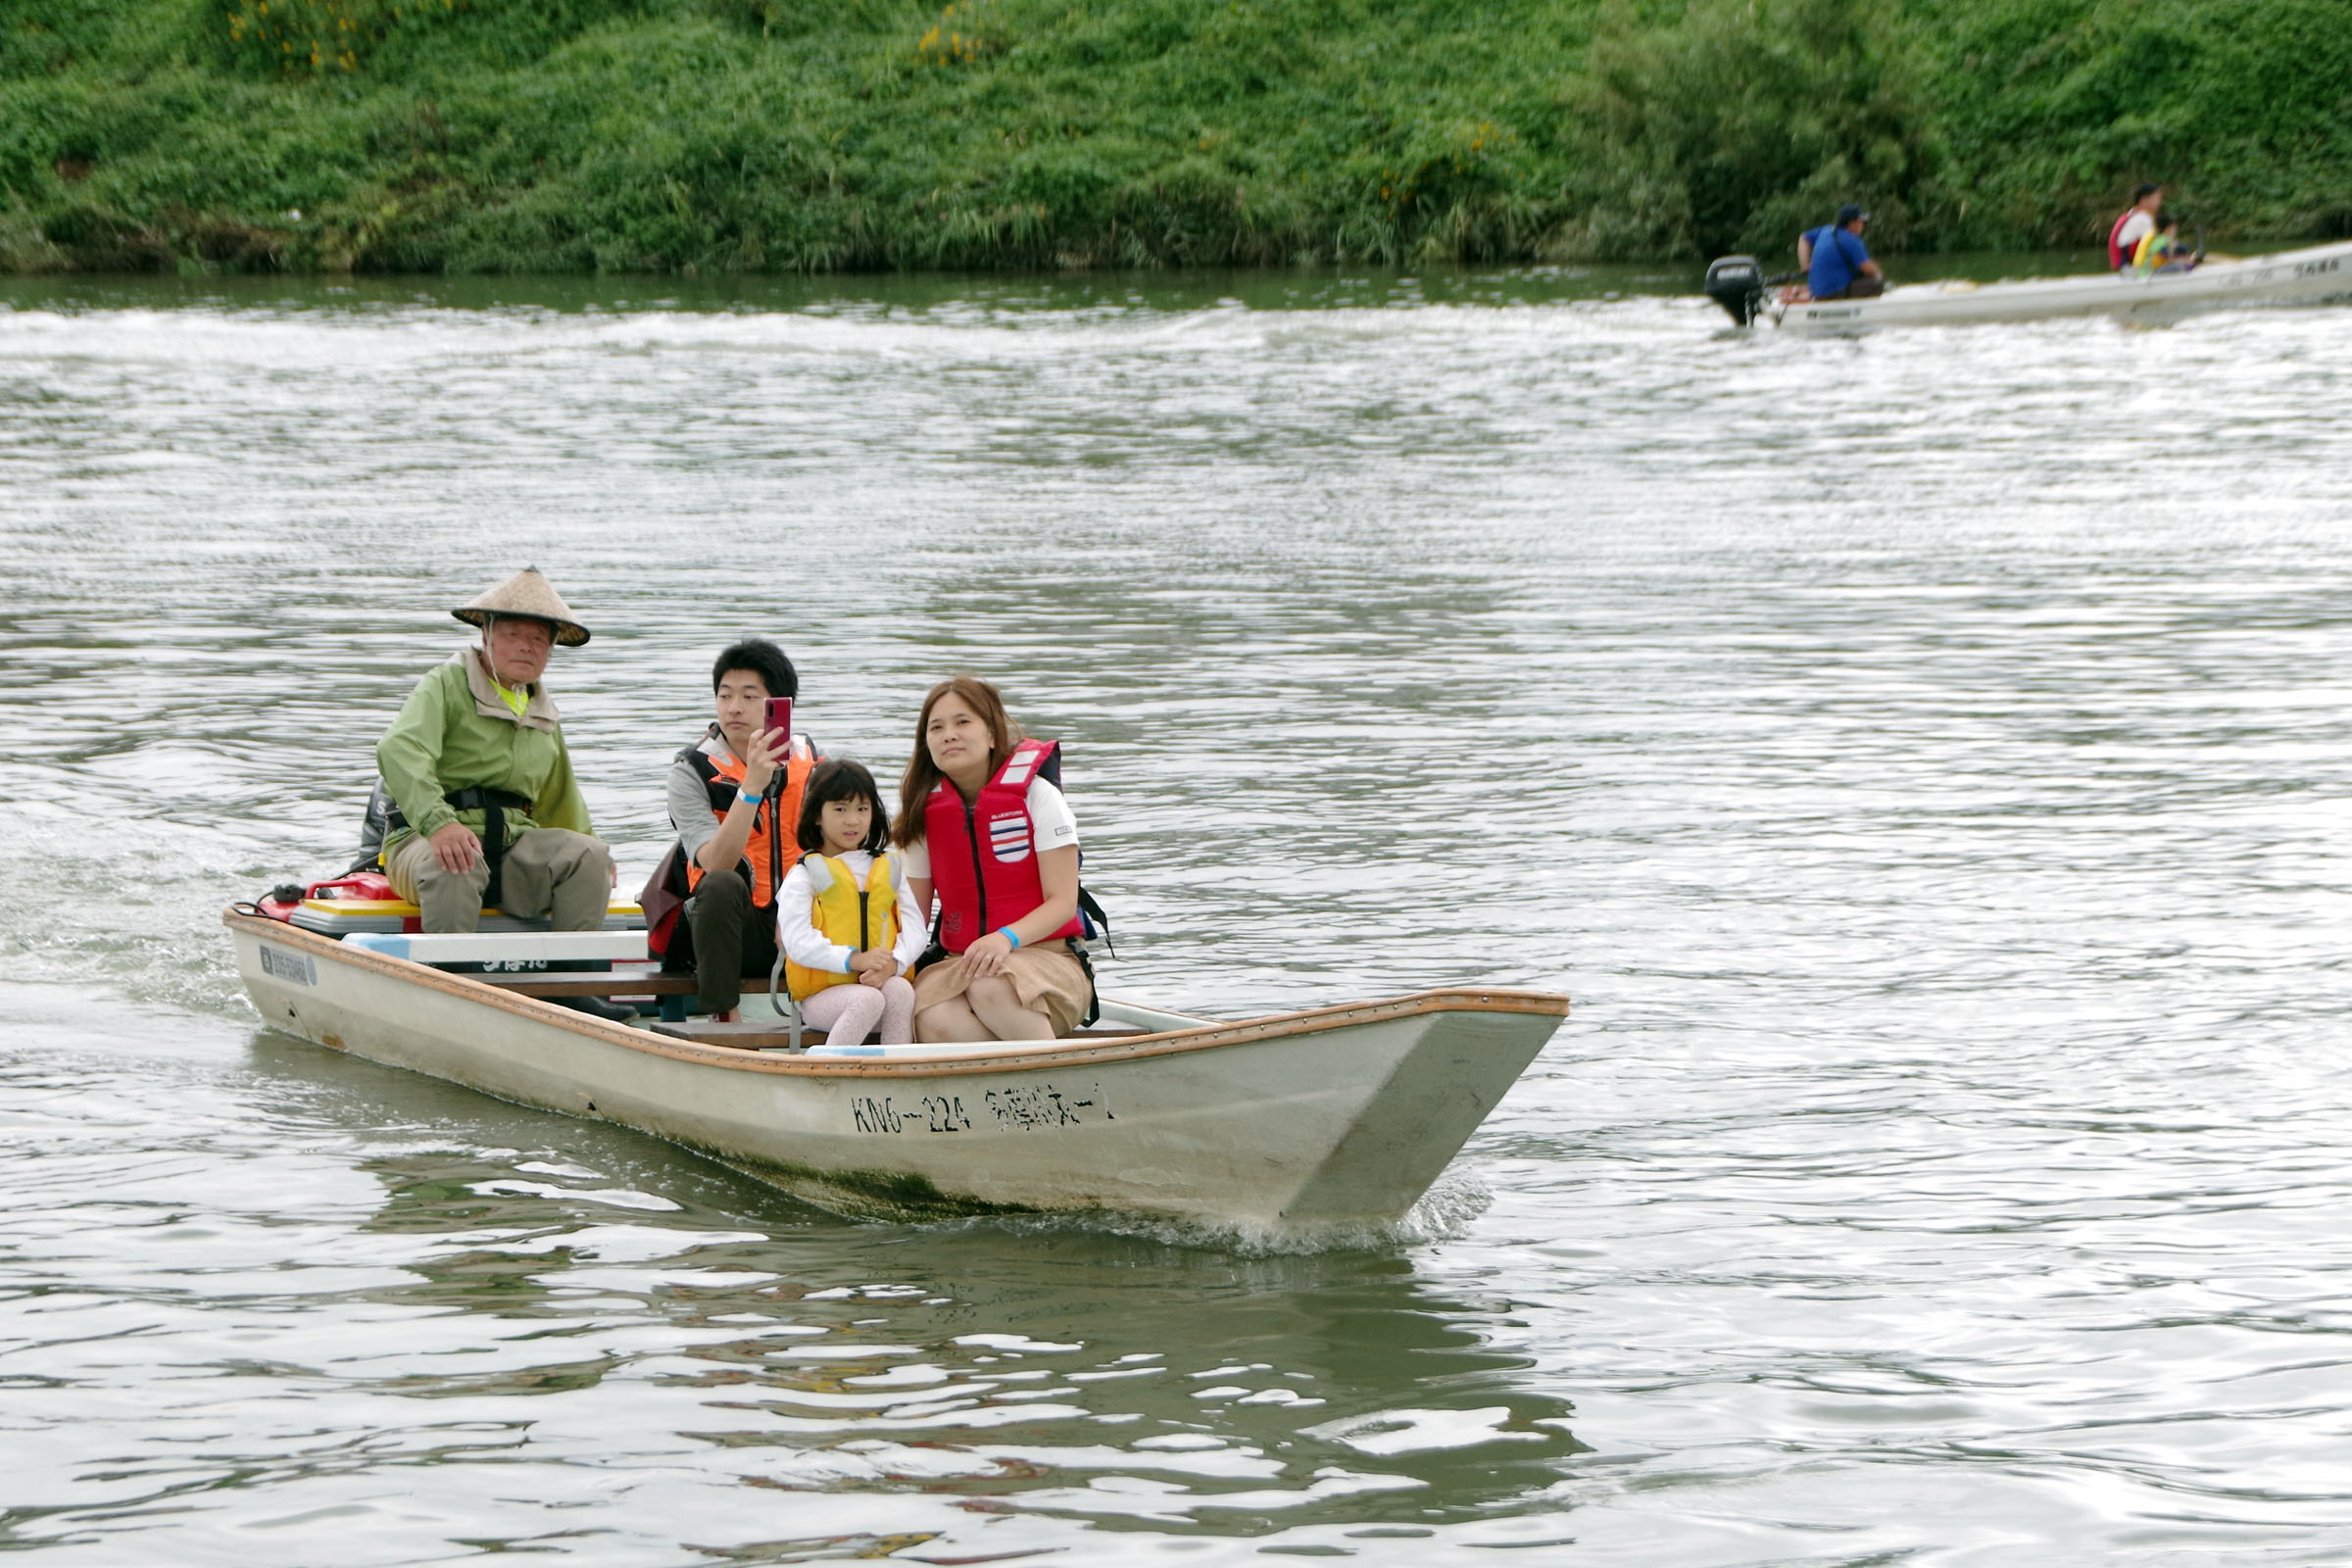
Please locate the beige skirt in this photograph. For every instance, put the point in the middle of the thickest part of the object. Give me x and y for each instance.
(1046, 978)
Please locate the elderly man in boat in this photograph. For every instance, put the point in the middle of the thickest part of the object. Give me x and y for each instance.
(486, 809)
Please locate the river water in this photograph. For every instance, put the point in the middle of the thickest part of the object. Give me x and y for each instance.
(1921, 758)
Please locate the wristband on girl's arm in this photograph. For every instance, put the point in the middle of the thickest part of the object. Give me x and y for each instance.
(1009, 935)
(748, 797)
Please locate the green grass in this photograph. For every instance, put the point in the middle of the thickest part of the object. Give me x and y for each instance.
(2051, 106)
(773, 135)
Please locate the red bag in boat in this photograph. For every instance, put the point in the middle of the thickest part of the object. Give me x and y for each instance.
(281, 903)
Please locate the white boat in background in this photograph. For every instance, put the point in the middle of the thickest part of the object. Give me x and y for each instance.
(2290, 278)
(1333, 1116)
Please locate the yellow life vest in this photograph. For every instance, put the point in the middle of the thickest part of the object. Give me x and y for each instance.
(848, 915)
(2153, 250)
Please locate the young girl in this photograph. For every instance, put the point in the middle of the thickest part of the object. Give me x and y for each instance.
(984, 827)
(2161, 250)
(846, 918)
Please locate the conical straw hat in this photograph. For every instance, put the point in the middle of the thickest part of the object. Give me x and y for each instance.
(526, 595)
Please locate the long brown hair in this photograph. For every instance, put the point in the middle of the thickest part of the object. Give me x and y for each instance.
(922, 773)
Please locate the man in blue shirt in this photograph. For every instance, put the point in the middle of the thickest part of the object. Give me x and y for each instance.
(1838, 264)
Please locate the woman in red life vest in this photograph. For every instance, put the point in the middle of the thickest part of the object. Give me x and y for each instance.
(983, 827)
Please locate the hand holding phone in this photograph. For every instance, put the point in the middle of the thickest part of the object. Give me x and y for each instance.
(778, 739)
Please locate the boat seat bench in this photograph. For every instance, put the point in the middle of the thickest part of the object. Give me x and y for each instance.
(763, 1035)
(754, 1036)
(456, 950)
(593, 985)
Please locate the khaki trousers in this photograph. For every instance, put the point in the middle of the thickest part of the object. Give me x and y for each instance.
(548, 870)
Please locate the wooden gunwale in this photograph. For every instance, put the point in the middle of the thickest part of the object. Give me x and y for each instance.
(1175, 1042)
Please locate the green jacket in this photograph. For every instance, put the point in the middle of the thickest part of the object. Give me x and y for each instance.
(456, 732)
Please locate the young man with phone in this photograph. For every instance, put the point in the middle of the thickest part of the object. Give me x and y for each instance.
(735, 801)
(484, 807)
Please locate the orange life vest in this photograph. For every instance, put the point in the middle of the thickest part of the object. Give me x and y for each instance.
(773, 826)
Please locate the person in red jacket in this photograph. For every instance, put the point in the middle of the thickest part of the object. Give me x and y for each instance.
(984, 827)
(2135, 223)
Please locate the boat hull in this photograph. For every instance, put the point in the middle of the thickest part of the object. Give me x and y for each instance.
(2290, 278)
(1337, 1114)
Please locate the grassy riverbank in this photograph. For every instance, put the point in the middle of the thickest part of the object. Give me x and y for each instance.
(750, 135)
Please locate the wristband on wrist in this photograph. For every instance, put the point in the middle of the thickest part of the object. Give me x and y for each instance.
(1009, 935)
(752, 796)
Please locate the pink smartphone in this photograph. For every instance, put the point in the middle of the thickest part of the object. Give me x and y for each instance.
(779, 717)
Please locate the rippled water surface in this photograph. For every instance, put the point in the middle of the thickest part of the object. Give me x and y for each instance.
(1923, 758)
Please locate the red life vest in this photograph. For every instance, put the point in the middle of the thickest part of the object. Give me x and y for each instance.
(2119, 258)
(984, 852)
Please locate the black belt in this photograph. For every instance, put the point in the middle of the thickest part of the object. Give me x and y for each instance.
(494, 804)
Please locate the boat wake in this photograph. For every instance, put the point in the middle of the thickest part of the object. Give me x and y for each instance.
(1442, 1214)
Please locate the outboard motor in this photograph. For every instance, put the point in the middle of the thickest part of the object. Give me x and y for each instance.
(373, 827)
(1737, 283)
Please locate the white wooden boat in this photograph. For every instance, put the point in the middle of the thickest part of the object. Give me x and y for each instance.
(1330, 1116)
(2291, 278)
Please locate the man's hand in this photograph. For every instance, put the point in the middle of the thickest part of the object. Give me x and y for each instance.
(769, 748)
(456, 847)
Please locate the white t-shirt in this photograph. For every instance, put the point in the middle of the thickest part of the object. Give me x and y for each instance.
(1051, 827)
(805, 945)
(2136, 229)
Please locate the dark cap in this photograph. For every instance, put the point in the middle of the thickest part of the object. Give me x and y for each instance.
(1850, 213)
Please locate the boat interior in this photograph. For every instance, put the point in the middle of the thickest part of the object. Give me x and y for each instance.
(525, 958)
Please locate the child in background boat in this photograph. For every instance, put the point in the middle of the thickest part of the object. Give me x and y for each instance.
(2160, 249)
(984, 825)
(846, 916)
